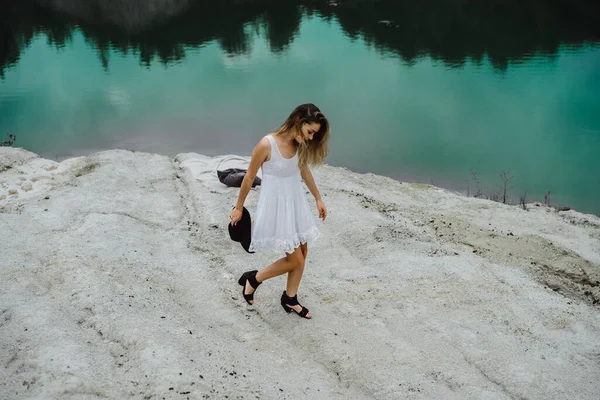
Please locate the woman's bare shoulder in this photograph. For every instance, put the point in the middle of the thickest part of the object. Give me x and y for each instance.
(264, 142)
(263, 148)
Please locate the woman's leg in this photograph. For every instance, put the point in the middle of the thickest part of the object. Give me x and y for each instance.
(294, 277)
(286, 264)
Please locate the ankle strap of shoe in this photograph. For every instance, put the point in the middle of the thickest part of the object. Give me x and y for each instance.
(291, 301)
(253, 282)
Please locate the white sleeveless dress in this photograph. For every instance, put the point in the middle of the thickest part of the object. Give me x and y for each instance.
(283, 219)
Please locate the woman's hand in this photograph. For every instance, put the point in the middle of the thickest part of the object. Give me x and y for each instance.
(310, 182)
(235, 215)
(322, 209)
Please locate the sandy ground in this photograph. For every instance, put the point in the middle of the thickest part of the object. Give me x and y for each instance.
(118, 280)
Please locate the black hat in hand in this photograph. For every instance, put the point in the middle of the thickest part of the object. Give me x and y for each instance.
(242, 231)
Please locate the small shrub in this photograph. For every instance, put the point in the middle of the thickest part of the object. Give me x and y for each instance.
(10, 141)
(506, 178)
(477, 182)
(523, 201)
(547, 199)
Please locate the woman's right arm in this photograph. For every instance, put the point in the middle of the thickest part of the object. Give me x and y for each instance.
(259, 155)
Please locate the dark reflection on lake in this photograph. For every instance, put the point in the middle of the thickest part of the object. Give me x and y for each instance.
(416, 90)
(448, 30)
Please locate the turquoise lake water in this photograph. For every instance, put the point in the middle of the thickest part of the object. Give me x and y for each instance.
(421, 118)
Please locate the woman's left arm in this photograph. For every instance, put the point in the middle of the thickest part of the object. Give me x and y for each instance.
(312, 186)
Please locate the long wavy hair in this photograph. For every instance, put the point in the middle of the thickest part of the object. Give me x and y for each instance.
(310, 152)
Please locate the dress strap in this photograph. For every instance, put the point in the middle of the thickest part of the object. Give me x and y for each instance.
(274, 148)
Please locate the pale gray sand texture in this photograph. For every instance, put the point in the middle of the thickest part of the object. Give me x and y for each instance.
(118, 280)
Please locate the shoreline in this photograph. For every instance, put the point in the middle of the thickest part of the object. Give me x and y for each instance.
(119, 280)
(451, 186)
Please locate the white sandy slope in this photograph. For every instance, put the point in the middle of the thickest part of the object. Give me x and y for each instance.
(118, 280)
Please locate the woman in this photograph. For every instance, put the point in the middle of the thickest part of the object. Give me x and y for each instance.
(283, 220)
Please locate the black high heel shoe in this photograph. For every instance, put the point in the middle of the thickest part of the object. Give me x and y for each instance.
(287, 301)
(249, 277)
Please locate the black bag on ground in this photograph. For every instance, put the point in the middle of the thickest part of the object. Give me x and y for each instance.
(233, 177)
